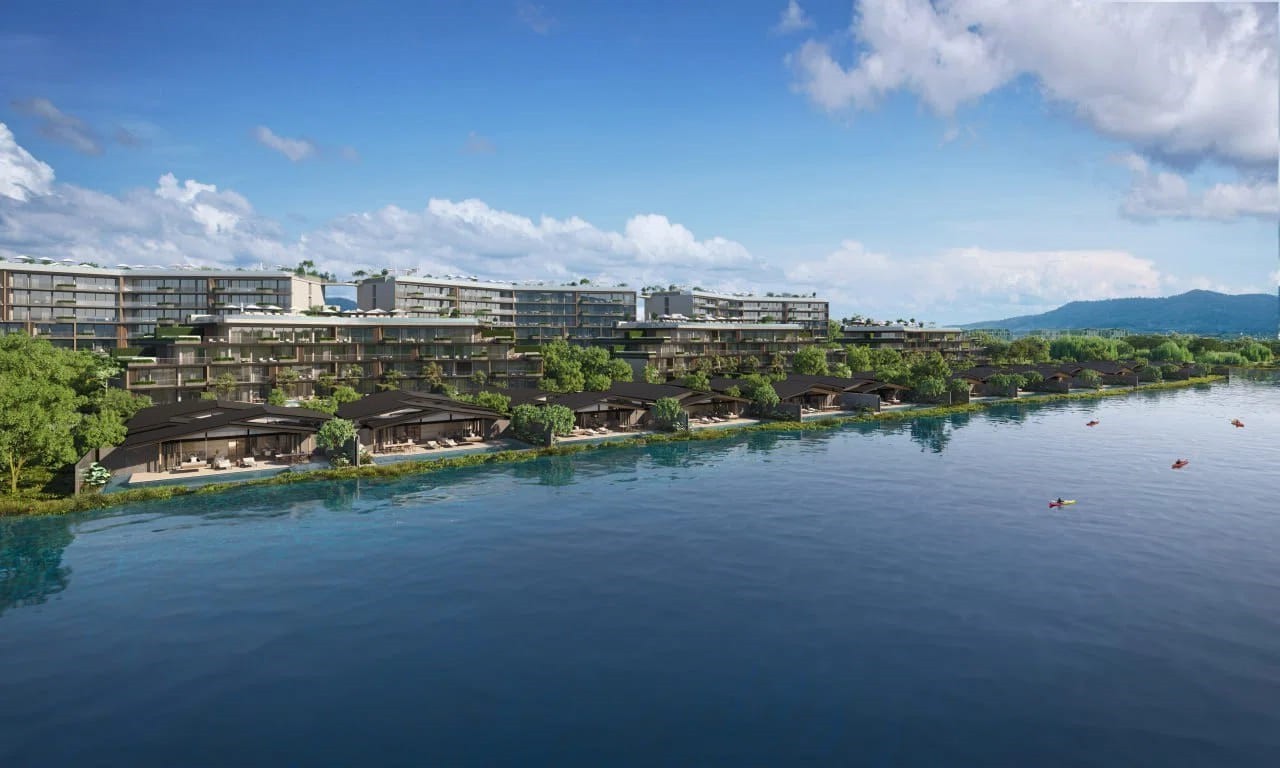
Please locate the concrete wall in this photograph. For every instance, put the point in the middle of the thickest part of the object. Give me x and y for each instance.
(852, 401)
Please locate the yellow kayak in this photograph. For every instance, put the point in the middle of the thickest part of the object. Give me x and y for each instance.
(1062, 503)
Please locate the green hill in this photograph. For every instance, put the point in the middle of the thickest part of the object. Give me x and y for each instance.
(1199, 312)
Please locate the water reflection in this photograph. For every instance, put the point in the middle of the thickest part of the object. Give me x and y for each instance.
(931, 434)
(548, 470)
(31, 566)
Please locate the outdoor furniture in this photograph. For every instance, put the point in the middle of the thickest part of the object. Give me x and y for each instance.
(248, 461)
(432, 444)
(448, 442)
(221, 463)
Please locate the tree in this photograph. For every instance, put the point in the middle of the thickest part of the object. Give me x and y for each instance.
(833, 329)
(1171, 351)
(391, 380)
(882, 358)
(433, 376)
(531, 423)
(759, 390)
(325, 383)
(275, 396)
(334, 436)
(777, 366)
(225, 385)
(1032, 379)
(1082, 348)
(567, 368)
(668, 416)
(1029, 349)
(344, 394)
(53, 401)
(858, 357)
(696, 380)
(930, 365)
(1150, 373)
(494, 400)
(931, 386)
(286, 378)
(652, 375)
(749, 364)
(479, 379)
(1090, 378)
(1005, 382)
(1256, 353)
(37, 419)
(811, 361)
(841, 370)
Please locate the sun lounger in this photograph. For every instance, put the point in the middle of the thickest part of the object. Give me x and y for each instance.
(432, 444)
(449, 442)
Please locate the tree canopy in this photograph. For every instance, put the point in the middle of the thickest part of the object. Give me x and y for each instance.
(56, 404)
(567, 368)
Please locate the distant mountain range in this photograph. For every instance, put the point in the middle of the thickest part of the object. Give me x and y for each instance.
(341, 303)
(1203, 312)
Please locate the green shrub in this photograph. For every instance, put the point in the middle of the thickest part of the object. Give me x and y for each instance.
(668, 416)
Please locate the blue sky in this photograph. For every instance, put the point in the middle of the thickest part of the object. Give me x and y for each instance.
(883, 154)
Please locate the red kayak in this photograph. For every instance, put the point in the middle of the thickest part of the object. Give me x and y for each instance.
(1237, 423)
(1180, 463)
(1093, 423)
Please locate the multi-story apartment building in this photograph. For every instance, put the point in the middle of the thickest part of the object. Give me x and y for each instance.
(674, 347)
(87, 307)
(295, 352)
(807, 311)
(537, 313)
(905, 338)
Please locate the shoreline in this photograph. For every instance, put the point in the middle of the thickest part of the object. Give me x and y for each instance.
(90, 502)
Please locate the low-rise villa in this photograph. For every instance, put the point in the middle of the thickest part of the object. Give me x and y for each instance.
(214, 435)
(398, 420)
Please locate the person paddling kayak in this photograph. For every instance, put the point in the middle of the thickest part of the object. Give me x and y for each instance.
(1237, 423)
(1093, 423)
(1180, 463)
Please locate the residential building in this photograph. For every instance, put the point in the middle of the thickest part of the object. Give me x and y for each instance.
(295, 352)
(675, 347)
(907, 338)
(537, 313)
(809, 312)
(86, 307)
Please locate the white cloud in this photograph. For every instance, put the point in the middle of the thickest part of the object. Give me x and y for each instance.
(959, 281)
(1163, 194)
(186, 220)
(1184, 82)
(21, 175)
(294, 149)
(792, 19)
(535, 17)
(59, 126)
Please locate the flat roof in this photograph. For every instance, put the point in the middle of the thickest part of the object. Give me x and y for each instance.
(712, 325)
(13, 265)
(351, 320)
(499, 285)
(737, 296)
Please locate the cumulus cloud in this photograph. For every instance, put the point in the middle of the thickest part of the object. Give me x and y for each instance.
(792, 19)
(478, 145)
(195, 222)
(294, 149)
(956, 281)
(1163, 194)
(1177, 81)
(535, 17)
(21, 175)
(59, 126)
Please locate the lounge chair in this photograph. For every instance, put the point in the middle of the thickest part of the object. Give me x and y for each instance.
(432, 445)
(602, 431)
(448, 442)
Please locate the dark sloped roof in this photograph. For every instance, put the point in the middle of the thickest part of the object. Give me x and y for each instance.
(191, 421)
(373, 410)
(639, 390)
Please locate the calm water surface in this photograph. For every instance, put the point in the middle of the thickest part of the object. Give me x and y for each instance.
(881, 596)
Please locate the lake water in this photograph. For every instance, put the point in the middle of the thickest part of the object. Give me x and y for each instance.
(883, 596)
